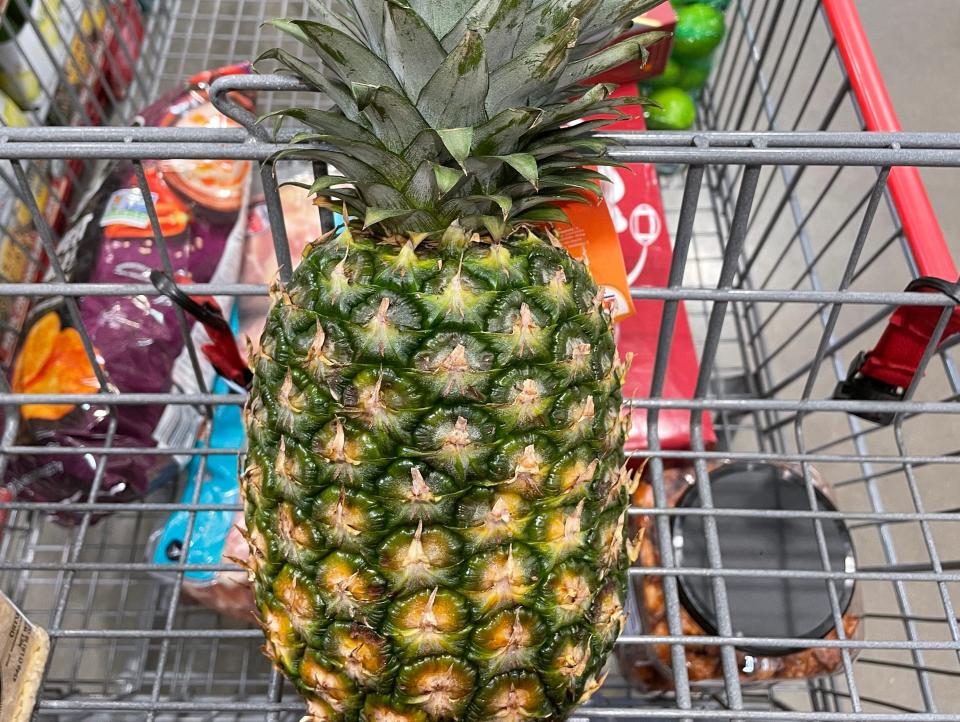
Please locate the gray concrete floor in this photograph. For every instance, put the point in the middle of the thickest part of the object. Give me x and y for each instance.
(918, 51)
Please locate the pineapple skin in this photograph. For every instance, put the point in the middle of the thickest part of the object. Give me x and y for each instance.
(434, 488)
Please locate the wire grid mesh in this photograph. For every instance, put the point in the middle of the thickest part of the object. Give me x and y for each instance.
(788, 258)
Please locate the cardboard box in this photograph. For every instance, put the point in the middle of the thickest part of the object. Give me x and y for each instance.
(633, 196)
(661, 17)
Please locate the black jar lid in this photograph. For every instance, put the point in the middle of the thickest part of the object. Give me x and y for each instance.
(763, 606)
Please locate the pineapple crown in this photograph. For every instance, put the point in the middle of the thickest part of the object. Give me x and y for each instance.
(458, 111)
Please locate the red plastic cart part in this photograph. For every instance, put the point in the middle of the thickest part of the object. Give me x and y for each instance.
(886, 371)
(222, 352)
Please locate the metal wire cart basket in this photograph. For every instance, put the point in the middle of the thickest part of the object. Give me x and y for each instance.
(795, 233)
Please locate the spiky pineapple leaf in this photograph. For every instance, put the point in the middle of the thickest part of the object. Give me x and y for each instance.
(315, 78)
(485, 202)
(500, 21)
(577, 108)
(632, 48)
(458, 141)
(422, 190)
(358, 171)
(525, 164)
(369, 15)
(349, 24)
(391, 166)
(345, 57)
(591, 145)
(546, 18)
(392, 117)
(412, 51)
(326, 181)
(441, 16)
(552, 200)
(537, 66)
(496, 226)
(544, 214)
(608, 20)
(378, 215)
(425, 146)
(611, 13)
(324, 121)
(505, 203)
(501, 134)
(454, 96)
(447, 178)
(569, 133)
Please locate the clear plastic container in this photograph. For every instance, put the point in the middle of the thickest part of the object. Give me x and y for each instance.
(760, 606)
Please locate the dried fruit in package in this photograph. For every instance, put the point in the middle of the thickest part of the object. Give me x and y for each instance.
(52, 360)
(136, 340)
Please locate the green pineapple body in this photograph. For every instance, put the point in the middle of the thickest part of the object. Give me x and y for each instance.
(433, 484)
(434, 489)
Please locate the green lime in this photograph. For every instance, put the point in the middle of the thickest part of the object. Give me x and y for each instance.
(670, 77)
(699, 31)
(677, 110)
(694, 73)
(720, 5)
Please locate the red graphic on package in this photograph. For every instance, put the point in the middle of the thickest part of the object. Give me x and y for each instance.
(633, 195)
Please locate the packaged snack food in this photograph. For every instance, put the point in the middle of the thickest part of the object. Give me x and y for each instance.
(761, 606)
(137, 340)
(30, 50)
(217, 536)
(302, 222)
(20, 248)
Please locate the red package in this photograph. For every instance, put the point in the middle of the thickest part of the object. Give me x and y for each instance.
(662, 18)
(633, 195)
(123, 36)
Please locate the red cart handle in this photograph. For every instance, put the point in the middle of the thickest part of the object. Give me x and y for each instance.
(886, 371)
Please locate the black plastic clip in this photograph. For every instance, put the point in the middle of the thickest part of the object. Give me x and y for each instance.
(857, 387)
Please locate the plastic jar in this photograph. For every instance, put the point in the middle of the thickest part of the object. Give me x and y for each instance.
(760, 606)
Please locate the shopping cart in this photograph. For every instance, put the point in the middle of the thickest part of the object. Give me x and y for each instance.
(795, 233)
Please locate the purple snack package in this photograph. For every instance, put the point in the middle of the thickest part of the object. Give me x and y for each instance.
(202, 210)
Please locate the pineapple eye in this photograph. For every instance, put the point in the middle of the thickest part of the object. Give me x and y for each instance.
(610, 541)
(490, 518)
(455, 440)
(454, 366)
(561, 532)
(429, 622)
(414, 492)
(567, 593)
(504, 577)
(334, 688)
(441, 686)
(566, 661)
(284, 645)
(608, 614)
(348, 519)
(298, 595)
(425, 557)
(572, 478)
(513, 696)
(358, 650)
(509, 640)
(349, 589)
(383, 709)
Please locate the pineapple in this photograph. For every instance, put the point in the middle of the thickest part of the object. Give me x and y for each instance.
(434, 495)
